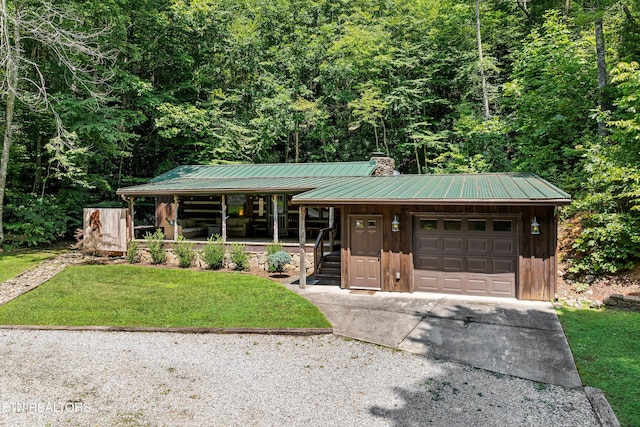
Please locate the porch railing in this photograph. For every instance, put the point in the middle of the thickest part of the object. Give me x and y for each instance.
(324, 234)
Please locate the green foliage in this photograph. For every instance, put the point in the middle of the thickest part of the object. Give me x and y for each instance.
(552, 95)
(185, 251)
(133, 254)
(607, 243)
(32, 220)
(277, 261)
(239, 257)
(274, 247)
(155, 244)
(213, 253)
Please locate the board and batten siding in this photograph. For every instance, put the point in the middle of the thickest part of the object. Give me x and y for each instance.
(537, 270)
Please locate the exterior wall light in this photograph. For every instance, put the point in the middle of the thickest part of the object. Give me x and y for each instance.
(395, 224)
(535, 227)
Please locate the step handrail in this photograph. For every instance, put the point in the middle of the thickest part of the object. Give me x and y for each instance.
(318, 247)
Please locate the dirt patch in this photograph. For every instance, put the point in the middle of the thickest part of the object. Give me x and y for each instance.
(599, 288)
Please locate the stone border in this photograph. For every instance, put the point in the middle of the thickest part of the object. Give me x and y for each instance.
(623, 301)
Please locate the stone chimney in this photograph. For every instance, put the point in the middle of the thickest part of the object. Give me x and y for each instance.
(384, 165)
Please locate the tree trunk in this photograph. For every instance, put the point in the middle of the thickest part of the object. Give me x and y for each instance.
(602, 75)
(37, 180)
(485, 93)
(12, 60)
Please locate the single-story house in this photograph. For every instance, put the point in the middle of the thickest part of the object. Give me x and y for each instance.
(475, 234)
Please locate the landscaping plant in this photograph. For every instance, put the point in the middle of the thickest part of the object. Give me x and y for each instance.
(185, 252)
(155, 243)
(277, 261)
(274, 247)
(239, 257)
(133, 256)
(213, 253)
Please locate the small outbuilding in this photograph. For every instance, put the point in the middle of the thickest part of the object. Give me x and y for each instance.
(472, 234)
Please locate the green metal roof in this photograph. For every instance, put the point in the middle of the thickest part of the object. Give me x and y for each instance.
(241, 178)
(281, 170)
(229, 186)
(498, 188)
(352, 183)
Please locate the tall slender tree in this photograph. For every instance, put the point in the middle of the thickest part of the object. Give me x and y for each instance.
(24, 80)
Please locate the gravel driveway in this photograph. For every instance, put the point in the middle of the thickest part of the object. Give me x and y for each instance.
(61, 378)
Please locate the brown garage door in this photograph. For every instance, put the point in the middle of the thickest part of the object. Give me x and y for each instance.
(474, 256)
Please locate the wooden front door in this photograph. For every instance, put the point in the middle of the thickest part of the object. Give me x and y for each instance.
(366, 247)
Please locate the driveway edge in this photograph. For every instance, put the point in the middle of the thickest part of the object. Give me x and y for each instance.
(605, 415)
(257, 331)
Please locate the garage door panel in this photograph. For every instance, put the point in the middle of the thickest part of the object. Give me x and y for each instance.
(477, 246)
(427, 244)
(452, 284)
(452, 244)
(503, 246)
(478, 285)
(427, 283)
(424, 262)
(478, 265)
(503, 265)
(503, 285)
(452, 264)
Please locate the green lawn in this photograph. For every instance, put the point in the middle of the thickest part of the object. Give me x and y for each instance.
(15, 262)
(125, 295)
(606, 348)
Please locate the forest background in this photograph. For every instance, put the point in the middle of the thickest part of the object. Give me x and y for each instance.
(546, 86)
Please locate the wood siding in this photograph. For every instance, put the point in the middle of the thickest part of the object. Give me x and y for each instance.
(537, 272)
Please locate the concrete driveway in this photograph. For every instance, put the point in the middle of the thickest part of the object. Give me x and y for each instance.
(519, 338)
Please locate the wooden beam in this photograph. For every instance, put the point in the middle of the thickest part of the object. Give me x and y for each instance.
(223, 221)
(332, 221)
(302, 237)
(274, 199)
(176, 205)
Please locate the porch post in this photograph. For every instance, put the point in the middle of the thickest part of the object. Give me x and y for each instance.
(223, 221)
(176, 205)
(274, 199)
(131, 222)
(332, 222)
(302, 237)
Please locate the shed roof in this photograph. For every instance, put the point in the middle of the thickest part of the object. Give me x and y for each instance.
(497, 188)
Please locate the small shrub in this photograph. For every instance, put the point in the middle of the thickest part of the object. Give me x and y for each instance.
(213, 253)
(132, 252)
(239, 257)
(277, 261)
(185, 252)
(155, 243)
(274, 247)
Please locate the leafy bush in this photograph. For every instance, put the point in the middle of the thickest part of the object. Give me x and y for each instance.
(213, 253)
(605, 243)
(155, 243)
(32, 220)
(239, 257)
(274, 247)
(277, 261)
(185, 252)
(132, 252)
